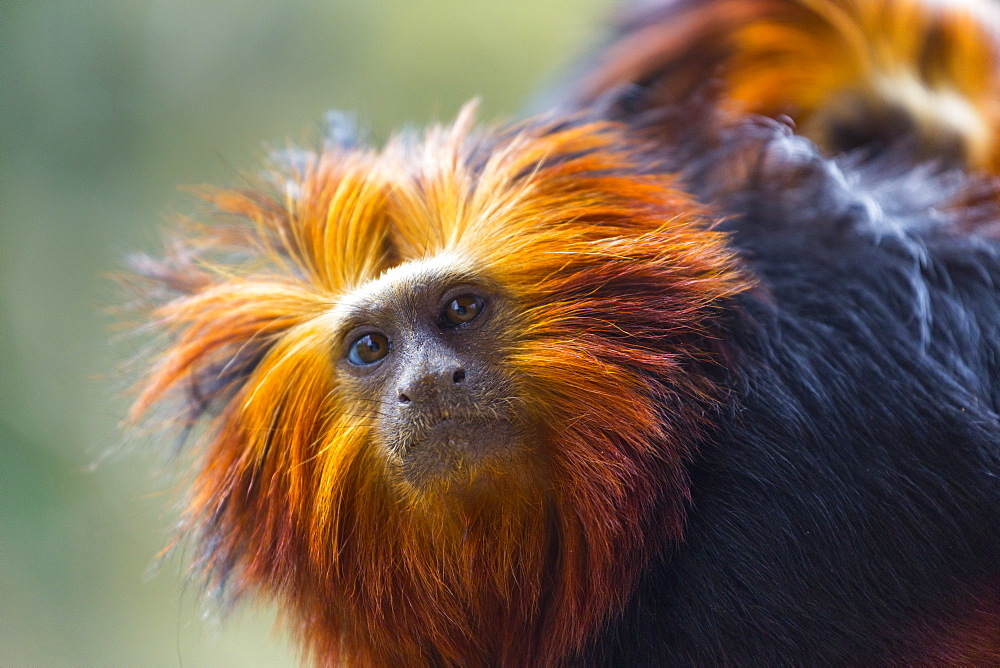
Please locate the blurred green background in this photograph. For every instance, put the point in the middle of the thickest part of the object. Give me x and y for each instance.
(105, 108)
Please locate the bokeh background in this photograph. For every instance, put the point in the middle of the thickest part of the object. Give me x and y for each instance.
(105, 108)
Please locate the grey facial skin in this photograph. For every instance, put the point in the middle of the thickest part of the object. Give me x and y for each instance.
(429, 352)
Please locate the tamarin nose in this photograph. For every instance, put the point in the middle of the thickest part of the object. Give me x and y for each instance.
(434, 382)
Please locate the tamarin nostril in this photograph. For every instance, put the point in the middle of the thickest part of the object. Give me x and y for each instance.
(458, 376)
(403, 399)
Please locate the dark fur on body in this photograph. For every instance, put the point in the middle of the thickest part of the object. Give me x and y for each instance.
(846, 506)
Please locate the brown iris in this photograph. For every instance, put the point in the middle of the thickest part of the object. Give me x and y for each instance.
(461, 310)
(368, 349)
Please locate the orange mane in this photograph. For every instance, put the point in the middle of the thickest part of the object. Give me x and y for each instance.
(619, 280)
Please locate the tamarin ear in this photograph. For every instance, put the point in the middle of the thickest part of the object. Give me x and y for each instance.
(220, 328)
(271, 257)
(851, 75)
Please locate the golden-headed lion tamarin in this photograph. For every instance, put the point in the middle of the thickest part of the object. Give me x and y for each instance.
(514, 397)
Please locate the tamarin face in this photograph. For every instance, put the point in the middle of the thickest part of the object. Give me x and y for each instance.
(427, 344)
(445, 391)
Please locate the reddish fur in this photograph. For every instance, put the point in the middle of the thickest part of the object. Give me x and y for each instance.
(970, 636)
(618, 278)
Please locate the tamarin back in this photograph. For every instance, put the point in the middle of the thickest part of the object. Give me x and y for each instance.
(845, 508)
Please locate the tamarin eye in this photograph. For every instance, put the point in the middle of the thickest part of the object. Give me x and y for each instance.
(368, 349)
(461, 310)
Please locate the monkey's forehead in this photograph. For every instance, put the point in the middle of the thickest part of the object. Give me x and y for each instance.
(402, 281)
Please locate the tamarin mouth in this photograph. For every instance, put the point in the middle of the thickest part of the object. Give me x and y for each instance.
(456, 443)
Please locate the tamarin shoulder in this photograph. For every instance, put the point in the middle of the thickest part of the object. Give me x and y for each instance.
(659, 381)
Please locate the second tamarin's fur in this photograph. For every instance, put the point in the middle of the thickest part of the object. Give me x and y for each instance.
(920, 76)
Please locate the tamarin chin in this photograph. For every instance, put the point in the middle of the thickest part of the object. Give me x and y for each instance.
(567, 393)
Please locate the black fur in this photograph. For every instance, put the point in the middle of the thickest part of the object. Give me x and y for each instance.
(846, 507)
